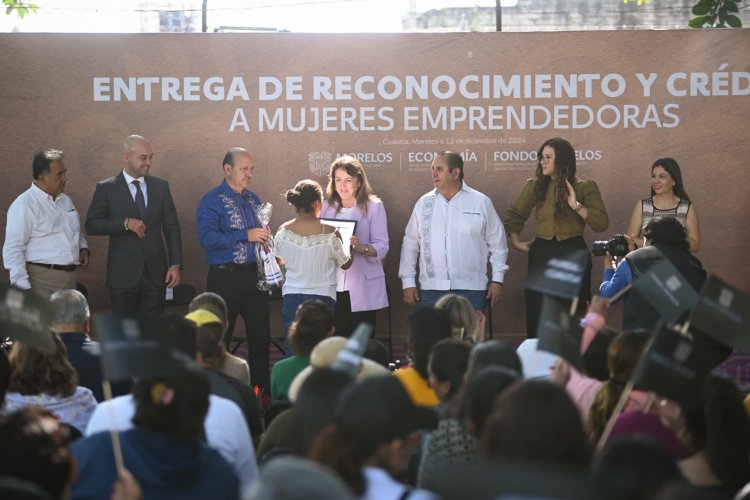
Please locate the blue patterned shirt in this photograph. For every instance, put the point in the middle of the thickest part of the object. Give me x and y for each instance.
(223, 220)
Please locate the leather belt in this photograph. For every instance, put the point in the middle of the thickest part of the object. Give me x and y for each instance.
(236, 267)
(56, 267)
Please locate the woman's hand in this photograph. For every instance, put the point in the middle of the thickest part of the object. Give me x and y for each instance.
(572, 201)
(560, 372)
(521, 246)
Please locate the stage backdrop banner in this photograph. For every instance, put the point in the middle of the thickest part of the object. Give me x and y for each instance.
(297, 101)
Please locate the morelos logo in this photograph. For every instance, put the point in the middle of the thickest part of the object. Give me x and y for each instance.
(319, 161)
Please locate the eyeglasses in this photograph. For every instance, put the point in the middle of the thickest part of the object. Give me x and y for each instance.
(545, 159)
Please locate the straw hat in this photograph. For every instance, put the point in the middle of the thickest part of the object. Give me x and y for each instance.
(323, 355)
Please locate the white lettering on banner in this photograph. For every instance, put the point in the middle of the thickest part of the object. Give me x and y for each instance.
(168, 88)
(709, 84)
(416, 87)
(451, 118)
(327, 119)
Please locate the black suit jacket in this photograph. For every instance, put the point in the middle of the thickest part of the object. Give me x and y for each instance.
(128, 254)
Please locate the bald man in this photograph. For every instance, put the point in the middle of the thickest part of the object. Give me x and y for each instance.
(136, 211)
(229, 229)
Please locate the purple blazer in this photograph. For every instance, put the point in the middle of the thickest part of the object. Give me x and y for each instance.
(366, 277)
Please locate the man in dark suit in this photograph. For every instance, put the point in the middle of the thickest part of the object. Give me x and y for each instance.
(72, 322)
(136, 211)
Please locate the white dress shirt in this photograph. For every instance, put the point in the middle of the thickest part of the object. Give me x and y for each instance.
(142, 180)
(225, 427)
(452, 240)
(41, 229)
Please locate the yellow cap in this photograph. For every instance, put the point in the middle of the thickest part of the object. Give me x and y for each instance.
(201, 317)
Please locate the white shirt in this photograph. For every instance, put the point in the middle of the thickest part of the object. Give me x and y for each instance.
(379, 485)
(142, 180)
(311, 262)
(225, 427)
(341, 284)
(452, 240)
(41, 229)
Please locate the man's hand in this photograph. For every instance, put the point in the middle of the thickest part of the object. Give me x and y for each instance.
(258, 235)
(494, 293)
(83, 258)
(610, 262)
(137, 226)
(173, 276)
(411, 295)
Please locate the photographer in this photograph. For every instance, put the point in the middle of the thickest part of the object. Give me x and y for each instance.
(664, 238)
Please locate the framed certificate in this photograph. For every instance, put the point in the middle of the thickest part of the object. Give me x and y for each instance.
(346, 230)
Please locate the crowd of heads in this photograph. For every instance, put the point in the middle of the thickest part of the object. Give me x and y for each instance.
(352, 424)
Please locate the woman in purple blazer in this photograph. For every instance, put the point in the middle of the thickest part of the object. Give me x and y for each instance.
(360, 290)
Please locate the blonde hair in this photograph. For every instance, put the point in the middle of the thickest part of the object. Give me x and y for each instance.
(464, 324)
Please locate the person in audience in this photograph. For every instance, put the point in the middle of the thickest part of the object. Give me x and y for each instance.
(323, 355)
(493, 353)
(311, 481)
(715, 429)
(210, 347)
(5, 374)
(232, 365)
(72, 323)
(34, 450)
(377, 352)
(372, 437)
(477, 399)
(311, 252)
(312, 323)
(225, 427)
(466, 322)
(295, 428)
(623, 355)
(165, 450)
(536, 422)
(450, 443)
(427, 326)
(446, 370)
(50, 381)
(633, 468)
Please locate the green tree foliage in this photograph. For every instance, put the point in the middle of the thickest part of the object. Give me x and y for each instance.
(715, 14)
(19, 7)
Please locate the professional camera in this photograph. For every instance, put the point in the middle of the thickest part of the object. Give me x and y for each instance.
(617, 246)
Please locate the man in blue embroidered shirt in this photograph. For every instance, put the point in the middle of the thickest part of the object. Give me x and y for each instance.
(228, 229)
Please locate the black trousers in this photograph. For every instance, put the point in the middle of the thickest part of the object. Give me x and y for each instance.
(345, 320)
(540, 254)
(237, 286)
(146, 298)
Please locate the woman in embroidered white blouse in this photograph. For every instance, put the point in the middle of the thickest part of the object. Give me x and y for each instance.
(311, 252)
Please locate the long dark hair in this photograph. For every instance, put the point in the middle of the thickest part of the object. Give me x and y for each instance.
(673, 169)
(565, 171)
